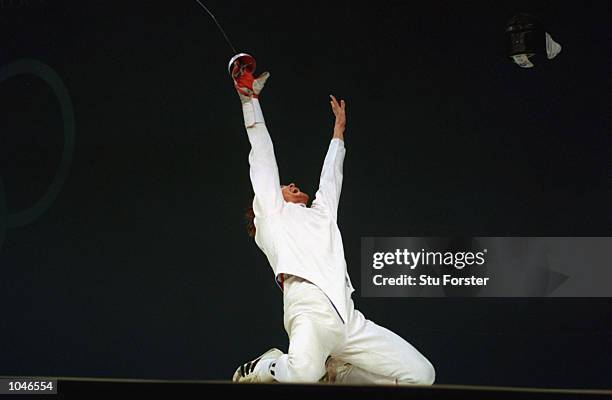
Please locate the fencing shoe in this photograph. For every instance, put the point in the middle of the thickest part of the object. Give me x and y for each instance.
(335, 370)
(256, 370)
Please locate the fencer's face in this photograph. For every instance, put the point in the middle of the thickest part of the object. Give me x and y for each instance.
(292, 194)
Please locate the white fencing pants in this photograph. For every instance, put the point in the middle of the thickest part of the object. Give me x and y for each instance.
(316, 331)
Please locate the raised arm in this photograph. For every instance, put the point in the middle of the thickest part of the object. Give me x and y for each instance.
(330, 184)
(263, 169)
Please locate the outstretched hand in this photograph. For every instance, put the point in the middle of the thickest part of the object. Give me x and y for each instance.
(339, 110)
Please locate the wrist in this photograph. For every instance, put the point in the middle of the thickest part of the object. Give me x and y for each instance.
(252, 112)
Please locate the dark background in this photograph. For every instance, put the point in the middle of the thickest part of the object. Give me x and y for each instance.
(141, 267)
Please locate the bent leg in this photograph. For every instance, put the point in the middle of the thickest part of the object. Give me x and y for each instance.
(378, 355)
(305, 360)
(314, 331)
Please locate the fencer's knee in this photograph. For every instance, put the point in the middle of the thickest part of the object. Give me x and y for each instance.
(305, 369)
(309, 374)
(424, 374)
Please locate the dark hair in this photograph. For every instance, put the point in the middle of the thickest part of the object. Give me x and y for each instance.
(249, 217)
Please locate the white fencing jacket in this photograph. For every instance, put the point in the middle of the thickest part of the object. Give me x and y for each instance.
(298, 240)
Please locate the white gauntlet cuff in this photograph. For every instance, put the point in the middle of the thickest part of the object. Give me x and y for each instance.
(252, 113)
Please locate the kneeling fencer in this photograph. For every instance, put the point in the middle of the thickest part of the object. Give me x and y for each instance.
(329, 340)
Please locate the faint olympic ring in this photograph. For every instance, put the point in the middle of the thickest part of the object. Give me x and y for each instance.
(47, 74)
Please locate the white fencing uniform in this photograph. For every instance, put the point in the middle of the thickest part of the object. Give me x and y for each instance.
(298, 240)
(305, 244)
(376, 354)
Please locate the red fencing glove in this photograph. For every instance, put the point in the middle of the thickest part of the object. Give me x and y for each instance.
(246, 84)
